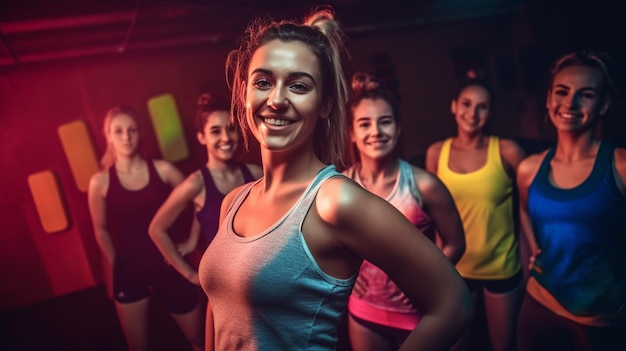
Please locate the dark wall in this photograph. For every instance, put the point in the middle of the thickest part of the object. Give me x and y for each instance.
(422, 61)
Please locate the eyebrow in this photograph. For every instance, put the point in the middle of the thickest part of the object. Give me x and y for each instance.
(291, 75)
(563, 86)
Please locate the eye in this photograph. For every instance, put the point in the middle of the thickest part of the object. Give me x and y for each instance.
(363, 125)
(561, 92)
(466, 104)
(589, 95)
(299, 87)
(262, 83)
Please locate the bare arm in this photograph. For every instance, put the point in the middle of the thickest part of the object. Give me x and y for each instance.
(439, 205)
(432, 157)
(97, 208)
(374, 230)
(512, 154)
(526, 172)
(165, 217)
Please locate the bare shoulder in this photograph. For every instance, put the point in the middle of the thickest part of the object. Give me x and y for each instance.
(99, 181)
(425, 181)
(340, 198)
(168, 172)
(162, 166)
(432, 156)
(256, 170)
(512, 153)
(434, 149)
(528, 168)
(620, 166)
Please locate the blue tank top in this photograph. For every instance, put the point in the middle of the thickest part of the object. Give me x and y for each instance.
(128, 216)
(209, 215)
(582, 236)
(267, 292)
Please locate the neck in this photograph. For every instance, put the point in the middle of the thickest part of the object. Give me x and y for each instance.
(282, 168)
(575, 146)
(128, 164)
(470, 141)
(372, 169)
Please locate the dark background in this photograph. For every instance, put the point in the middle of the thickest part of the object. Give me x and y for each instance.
(68, 60)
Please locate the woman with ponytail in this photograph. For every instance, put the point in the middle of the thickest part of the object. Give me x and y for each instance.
(281, 267)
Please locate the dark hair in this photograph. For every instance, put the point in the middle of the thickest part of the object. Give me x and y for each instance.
(207, 104)
(321, 33)
(475, 82)
(366, 86)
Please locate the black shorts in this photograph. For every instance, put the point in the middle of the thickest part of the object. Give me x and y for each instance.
(131, 285)
(496, 286)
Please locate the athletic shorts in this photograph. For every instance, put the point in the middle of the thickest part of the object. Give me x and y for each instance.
(131, 285)
(496, 286)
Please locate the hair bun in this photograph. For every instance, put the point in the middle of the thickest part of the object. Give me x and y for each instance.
(204, 99)
(363, 82)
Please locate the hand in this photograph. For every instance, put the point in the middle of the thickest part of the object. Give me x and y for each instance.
(185, 247)
(531, 264)
(194, 278)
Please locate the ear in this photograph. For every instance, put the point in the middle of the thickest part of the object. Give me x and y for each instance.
(201, 138)
(453, 106)
(327, 107)
(605, 106)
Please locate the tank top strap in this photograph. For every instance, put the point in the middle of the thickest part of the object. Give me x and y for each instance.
(152, 171)
(493, 152)
(310, 193)
(407, 180)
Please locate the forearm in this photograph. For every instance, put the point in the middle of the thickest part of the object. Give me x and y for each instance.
(105, 244)
(167, 248)
(440, 329)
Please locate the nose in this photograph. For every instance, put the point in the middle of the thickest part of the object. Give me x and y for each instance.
(225, 135)
(277, 98)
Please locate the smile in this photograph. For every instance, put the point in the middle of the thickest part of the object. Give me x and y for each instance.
(276, 121)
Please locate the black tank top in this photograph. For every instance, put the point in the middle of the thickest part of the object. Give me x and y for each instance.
(128, 215)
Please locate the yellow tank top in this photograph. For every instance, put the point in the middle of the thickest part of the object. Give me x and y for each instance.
(484, 199)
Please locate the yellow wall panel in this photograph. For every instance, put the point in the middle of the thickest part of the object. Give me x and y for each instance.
(80, 152)
(168, 127)
(48, 200)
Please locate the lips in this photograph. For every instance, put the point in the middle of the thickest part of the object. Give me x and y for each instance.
(276, 121)
(568, 115)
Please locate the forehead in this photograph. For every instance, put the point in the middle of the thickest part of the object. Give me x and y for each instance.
(475, 92)
(279, 56)
(579, 77)
(372, 108)
(123, 119)
(218, 118)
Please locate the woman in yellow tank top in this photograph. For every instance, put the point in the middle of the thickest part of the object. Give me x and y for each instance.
(479, 169)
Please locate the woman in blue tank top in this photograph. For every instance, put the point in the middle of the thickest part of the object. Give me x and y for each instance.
(573, 214)
(205, 188)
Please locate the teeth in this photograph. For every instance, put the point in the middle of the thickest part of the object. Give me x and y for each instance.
(276, 121)
(568, 115)
(226, 147)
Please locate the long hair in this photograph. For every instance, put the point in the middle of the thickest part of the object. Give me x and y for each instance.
(322, 34)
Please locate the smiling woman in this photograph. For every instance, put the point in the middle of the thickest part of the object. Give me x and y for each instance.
(572, 206)
(479, 170)
(281, 267)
